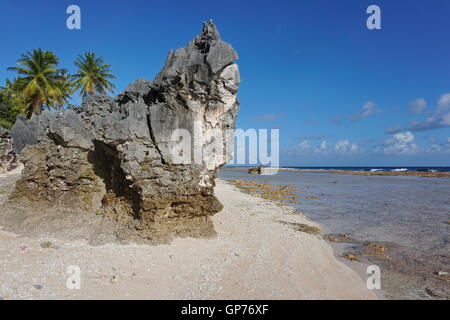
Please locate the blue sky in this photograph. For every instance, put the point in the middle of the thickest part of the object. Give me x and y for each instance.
(342, 95)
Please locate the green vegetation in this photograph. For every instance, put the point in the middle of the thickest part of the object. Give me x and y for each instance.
(38, 81)
(9, 102)
(92, 75)
(40, 84)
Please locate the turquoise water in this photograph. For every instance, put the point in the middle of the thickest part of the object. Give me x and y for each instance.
(409, 214)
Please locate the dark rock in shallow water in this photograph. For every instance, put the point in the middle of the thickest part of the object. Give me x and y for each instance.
(116, 158)
(255, 170)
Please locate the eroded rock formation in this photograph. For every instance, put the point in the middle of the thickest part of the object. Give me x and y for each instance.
(7, 154)
(115, 158)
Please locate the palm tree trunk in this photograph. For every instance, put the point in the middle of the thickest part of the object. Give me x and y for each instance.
(37, 107)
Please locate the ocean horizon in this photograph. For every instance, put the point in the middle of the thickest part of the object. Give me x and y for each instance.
(362, 168)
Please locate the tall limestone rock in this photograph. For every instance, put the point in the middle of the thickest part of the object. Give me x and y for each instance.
(7, 155)
(136, 160)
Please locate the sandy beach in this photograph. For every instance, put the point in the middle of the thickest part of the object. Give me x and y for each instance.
(255, 255)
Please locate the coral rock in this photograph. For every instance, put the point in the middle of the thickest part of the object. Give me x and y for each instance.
(7, 155)
(115, 156)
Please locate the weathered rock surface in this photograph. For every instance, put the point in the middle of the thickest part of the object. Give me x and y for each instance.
(7, 155)
(115, 157)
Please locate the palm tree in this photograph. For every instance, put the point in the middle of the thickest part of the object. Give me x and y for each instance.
(9, 91)
(9, 102)
(65, 88)
(93, 75)
(38, 80)
(8, 114)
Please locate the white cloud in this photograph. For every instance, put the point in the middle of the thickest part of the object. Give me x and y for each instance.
(404, 137)
(369, 108)
(302, 148)
(341, 145)
(446, 119)
(346, 147)
(400, 143)
(443, 103)
(438, 147)
(304, 145)
(418, 106)
(434, 122)
(305, 148)
(393, 130)
(440, 118)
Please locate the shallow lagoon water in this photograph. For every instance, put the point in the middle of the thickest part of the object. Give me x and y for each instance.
(411, 212)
